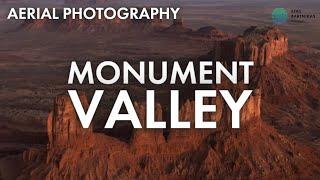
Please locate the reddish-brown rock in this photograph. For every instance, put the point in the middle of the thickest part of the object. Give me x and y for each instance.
(63, 125)
(147, 140)
(256, 44)
(256, 150)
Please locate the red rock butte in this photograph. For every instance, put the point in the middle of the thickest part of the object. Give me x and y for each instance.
(260, 45)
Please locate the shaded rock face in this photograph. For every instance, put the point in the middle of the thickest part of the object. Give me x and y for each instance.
(291, 96)
(256, 44)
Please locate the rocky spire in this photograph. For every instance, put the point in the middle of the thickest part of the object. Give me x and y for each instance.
(63, 125)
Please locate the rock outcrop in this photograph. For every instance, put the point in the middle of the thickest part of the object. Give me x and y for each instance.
(252, 109)
(74, 152)
(211, 32)
(177, 27)
(256, 44)
(64, 128)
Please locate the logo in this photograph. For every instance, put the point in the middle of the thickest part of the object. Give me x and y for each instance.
(302, 16)
(279, 15)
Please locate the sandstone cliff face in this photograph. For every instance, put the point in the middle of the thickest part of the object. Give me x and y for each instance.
(257, 44)
(74, 152)
(64, 128)
(251, 110)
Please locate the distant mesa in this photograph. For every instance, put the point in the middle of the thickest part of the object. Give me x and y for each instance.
(211, 33)
(92, 26)
(177, 27)
(207, 32)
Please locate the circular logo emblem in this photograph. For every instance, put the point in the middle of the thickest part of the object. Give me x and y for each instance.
(279, 15)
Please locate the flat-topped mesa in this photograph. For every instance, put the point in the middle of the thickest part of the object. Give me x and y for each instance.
(63, 125)
(211, 32)
(177, 27)
(256, 44)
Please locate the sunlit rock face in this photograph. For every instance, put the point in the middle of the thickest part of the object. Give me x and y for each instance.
(260, 45)
(251, 110)
(63, 125)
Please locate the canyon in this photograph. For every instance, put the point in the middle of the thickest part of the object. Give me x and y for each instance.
(256, 150)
